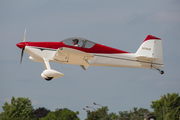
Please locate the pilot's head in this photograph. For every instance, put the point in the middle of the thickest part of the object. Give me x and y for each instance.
(75, 41)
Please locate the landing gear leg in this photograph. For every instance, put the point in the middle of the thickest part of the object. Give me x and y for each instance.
(160, 71)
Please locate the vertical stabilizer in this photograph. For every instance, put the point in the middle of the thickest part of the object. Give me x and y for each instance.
(152, 48)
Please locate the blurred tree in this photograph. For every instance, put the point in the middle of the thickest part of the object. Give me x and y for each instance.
(125, 115)
(41, 112)
(139, 114)
(112, 116)
(61, 114)
(170, 103)
(98, 114)
(135, 114)
(19, 108)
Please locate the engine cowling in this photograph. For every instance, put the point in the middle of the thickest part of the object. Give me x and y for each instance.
(50, 74)
(35, 59)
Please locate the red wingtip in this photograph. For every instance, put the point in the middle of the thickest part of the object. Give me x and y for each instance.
(150, 37)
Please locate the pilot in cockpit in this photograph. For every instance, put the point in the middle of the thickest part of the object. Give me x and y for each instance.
(75, 42)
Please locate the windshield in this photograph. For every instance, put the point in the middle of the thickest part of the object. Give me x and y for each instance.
(79, 42)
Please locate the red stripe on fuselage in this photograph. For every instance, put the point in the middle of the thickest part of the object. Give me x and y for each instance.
(51, 45)
(97, 48)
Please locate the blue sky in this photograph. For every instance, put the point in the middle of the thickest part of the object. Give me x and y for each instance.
(120, 24)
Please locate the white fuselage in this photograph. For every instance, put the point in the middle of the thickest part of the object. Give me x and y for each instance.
(110, 60)
(87, 53)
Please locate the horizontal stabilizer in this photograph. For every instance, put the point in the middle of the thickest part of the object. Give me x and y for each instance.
(145, 58)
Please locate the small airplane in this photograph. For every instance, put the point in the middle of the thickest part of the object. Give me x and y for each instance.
(80, 51)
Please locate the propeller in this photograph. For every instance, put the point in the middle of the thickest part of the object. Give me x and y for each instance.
(22, 52)
(24, 36)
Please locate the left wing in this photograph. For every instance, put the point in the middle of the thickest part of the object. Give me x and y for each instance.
(73, 56)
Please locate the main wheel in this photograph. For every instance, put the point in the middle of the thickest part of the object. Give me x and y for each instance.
(49, 78)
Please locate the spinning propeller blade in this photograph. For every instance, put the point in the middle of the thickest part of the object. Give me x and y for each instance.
(24, 36)
(22, 52)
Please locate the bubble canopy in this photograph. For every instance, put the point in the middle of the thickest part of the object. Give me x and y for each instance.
(81, 42)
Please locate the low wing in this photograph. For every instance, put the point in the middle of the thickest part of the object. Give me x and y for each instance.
(72, 56)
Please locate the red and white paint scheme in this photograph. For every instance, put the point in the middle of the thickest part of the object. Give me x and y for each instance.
(87, 53)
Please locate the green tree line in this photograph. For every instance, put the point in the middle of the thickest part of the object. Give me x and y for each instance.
(21, 109)
(166, 108)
